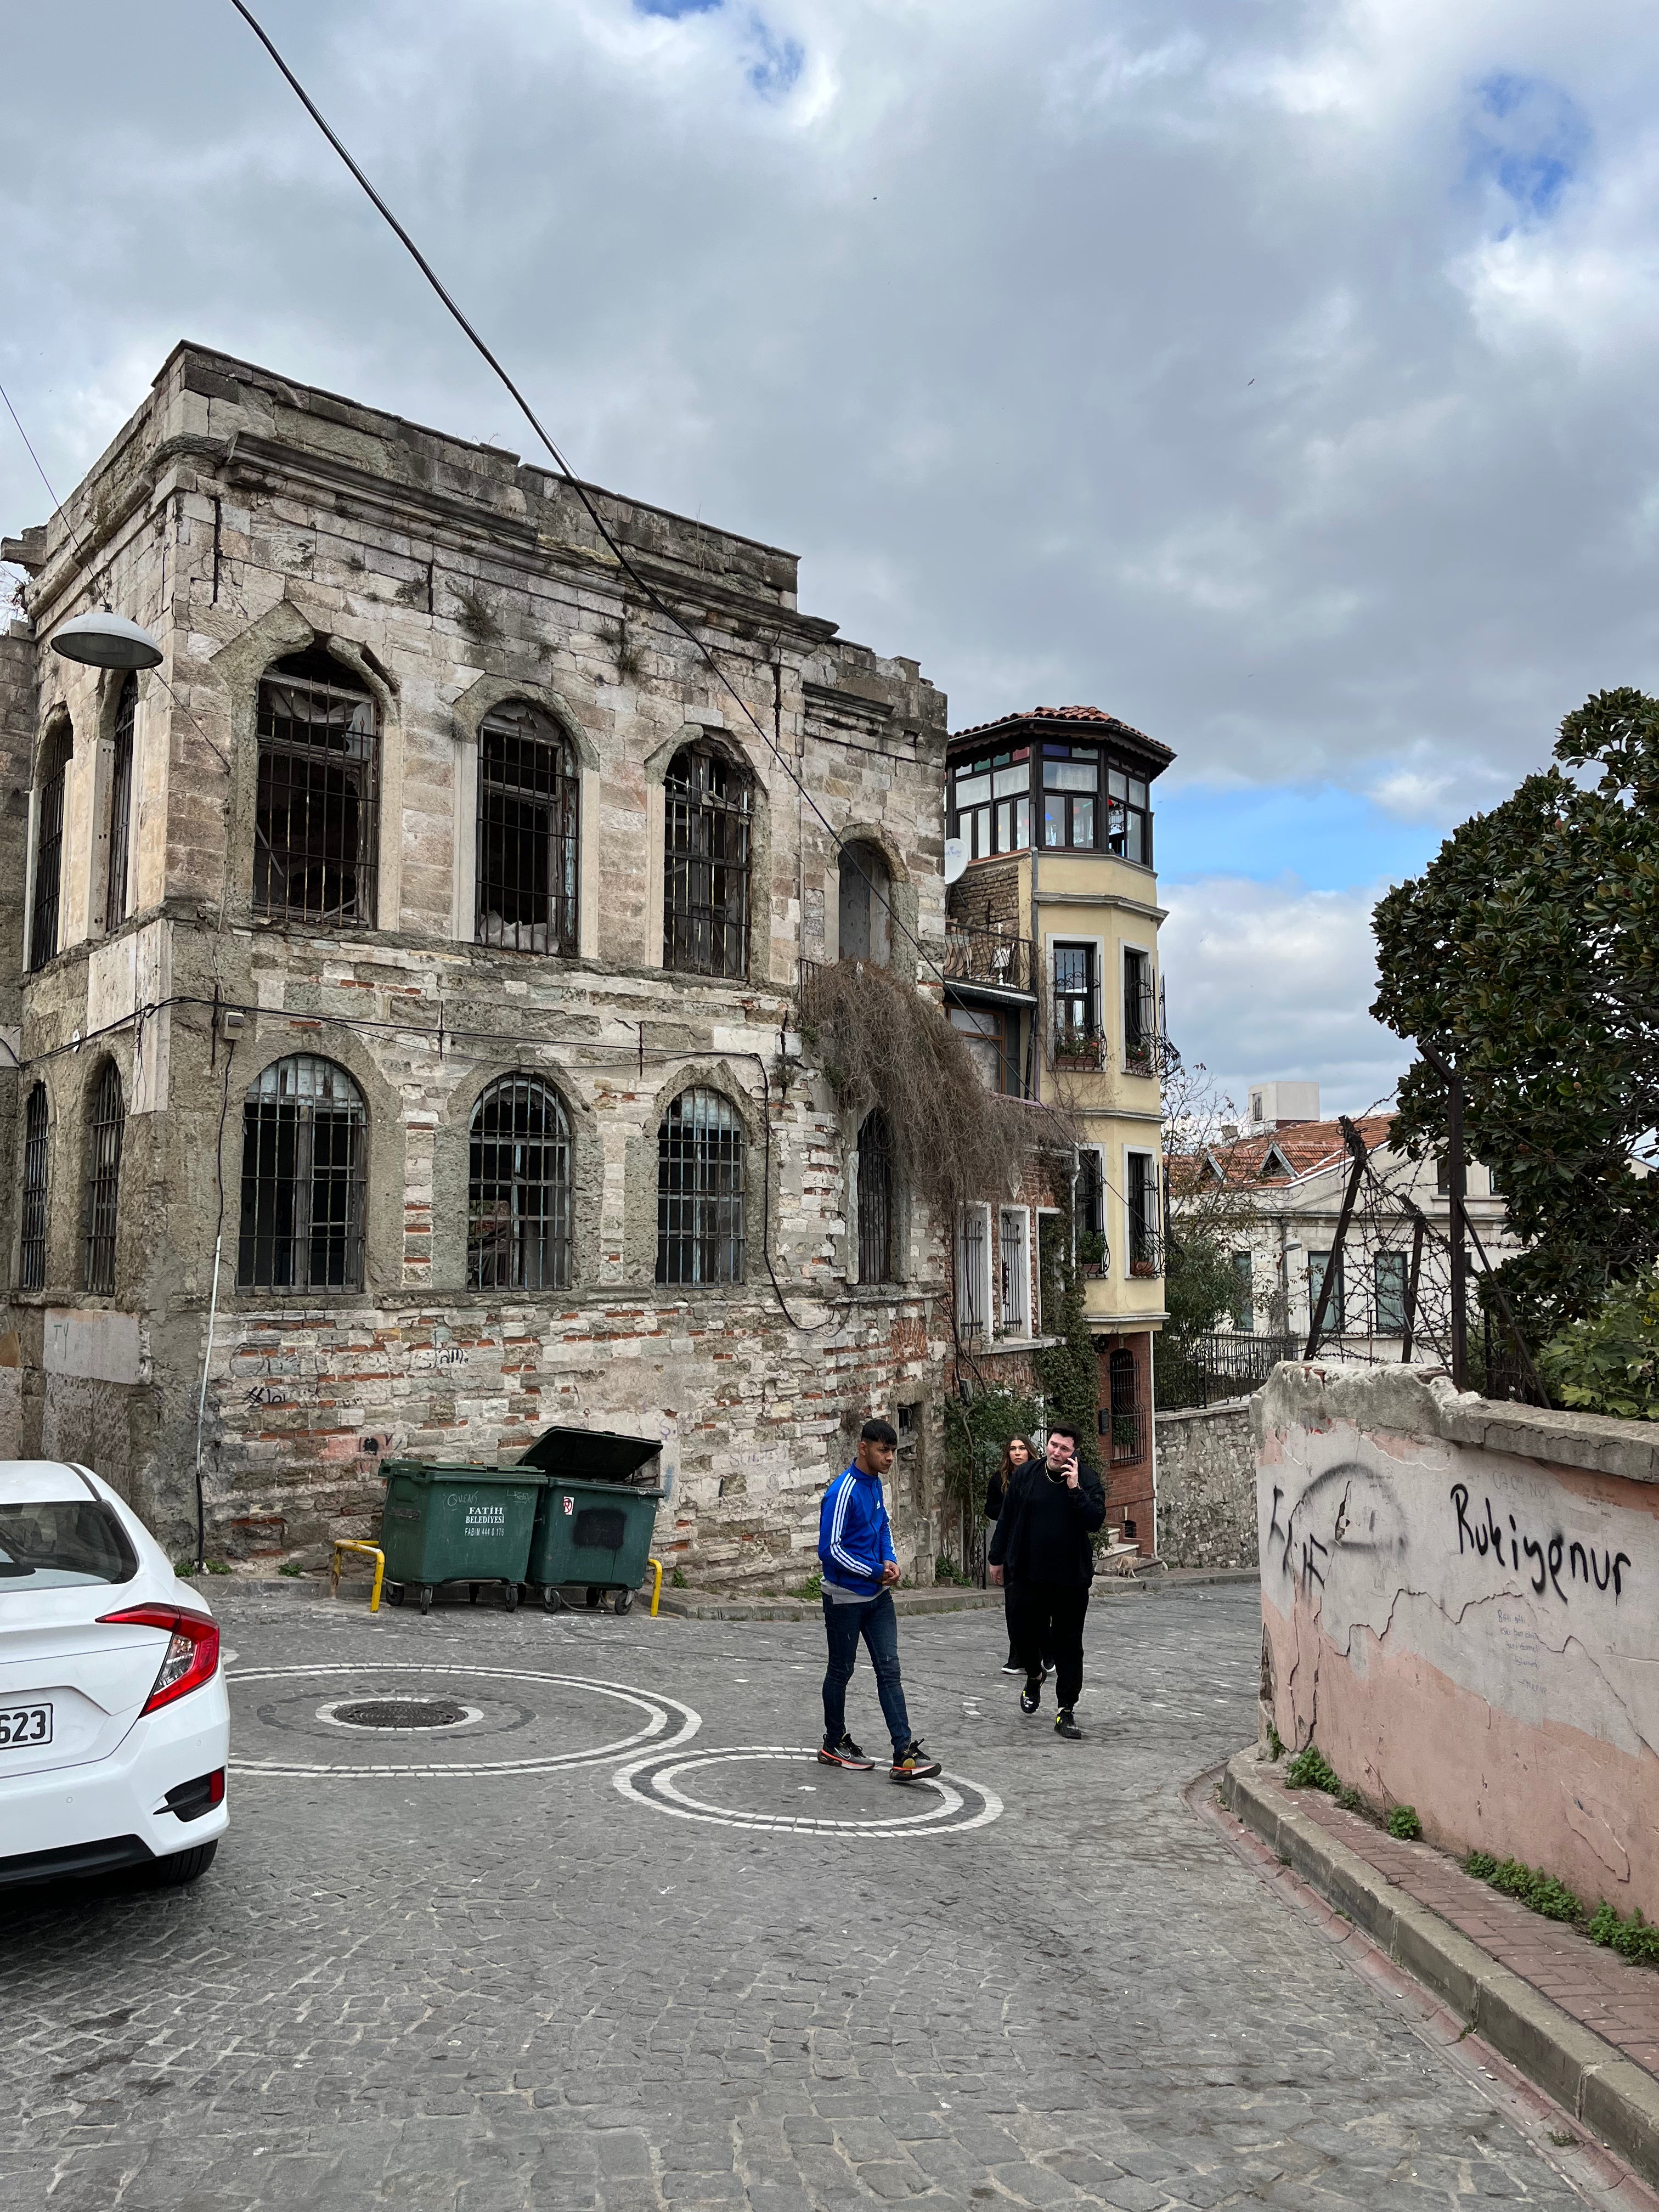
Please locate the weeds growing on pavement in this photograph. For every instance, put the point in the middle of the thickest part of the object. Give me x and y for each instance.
(1635, 1939)
(1404, 1823)
(1311, 1769)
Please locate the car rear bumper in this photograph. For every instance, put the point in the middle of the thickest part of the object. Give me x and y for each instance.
(104, 1815)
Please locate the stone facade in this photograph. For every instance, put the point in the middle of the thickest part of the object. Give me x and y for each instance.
(243, 518)
(1206, 1486)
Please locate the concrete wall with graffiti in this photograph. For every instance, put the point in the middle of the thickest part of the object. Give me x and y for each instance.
(1460, 1603)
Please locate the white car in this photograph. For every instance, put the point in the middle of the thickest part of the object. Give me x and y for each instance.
(114, 1723)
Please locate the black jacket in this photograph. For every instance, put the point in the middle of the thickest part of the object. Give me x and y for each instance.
(1043, 1529)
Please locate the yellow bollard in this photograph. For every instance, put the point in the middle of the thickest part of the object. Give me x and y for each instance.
(656, 1586)
(373, 1551)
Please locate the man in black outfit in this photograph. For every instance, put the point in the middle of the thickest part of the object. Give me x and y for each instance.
(1041, 1540)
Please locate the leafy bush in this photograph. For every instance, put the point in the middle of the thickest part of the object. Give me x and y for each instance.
(1311, 1769)
(1481, 1864)
(1635, 1939)
(1609, 1362)
(946, 1570)
(290, 1567)
(1404, 1823)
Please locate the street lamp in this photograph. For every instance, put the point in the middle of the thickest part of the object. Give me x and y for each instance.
(103, 639)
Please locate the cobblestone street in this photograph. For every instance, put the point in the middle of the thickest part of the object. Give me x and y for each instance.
(467, 1969)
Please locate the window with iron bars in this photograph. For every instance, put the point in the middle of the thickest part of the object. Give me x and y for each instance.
(875, 1200)
(700, 1150)
(709, 823)
(48, 847)
(528, 840)
(1127, 1415)
(518, 1233)
(1145, 1242)
(304, 1135)
(1140, 1012)
(973, 1274)
(120, 805)
(316, 832)
(32, 1248)
(1014, 1272)
(104, 1133)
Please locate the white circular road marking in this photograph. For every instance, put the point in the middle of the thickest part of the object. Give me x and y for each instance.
(658, 1710)
(653, 1780)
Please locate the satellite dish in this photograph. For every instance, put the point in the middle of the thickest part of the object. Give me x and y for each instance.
(955, 858)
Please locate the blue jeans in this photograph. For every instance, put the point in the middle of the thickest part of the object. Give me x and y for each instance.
(877, 1623)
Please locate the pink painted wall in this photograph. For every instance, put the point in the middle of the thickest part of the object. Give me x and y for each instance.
(1460, 1603)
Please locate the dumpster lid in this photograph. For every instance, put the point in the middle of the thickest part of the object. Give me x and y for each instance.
(593, 1455)
(424, 1470)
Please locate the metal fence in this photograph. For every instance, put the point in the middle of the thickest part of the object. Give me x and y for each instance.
(1200, 1370)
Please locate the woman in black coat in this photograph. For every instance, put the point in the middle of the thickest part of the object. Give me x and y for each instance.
(1018, 1454)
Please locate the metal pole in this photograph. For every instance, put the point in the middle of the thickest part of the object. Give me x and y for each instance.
(1412, 1280)
(1355, 1143)
(1457, 1165)
(201, 1404)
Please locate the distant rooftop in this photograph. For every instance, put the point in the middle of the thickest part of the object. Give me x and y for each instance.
(1096, 716)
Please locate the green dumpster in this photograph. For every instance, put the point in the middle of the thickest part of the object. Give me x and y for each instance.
(457, 1524)
(594, 1517)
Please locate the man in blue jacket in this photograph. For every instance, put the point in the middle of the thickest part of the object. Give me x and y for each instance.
(856, 1547)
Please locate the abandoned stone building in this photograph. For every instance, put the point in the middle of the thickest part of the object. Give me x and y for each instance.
(422, 938)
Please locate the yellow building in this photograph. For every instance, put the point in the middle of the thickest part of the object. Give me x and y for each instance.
(1053, 968)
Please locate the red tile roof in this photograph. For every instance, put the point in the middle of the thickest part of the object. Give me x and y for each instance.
(1095, 715)
(1307, 1145)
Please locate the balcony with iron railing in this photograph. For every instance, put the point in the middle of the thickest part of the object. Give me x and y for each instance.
(993, 958)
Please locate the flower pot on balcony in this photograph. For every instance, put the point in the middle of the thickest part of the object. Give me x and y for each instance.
(1143, 1266)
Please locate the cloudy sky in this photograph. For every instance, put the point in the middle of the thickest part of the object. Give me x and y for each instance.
(1279, 376)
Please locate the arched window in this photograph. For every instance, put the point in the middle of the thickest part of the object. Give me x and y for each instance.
(120, 805)
(49, 846)
(518, 1212)
(708, 826)
(699, 1191)
(304, 1143)
(315, 841)
(527, 832)
(32, 1248)
(104, 1133)
(866, 903)
(875, 1200)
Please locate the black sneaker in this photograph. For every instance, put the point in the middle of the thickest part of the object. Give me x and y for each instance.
(844, 1754)
(1066, 1726)
(914, 1766)
(1032, 1696)
(1012, 1666)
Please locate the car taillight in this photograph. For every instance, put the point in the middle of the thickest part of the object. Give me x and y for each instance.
(191, 1658)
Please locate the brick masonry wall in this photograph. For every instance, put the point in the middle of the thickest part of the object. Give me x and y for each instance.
(987, 896)
(1206, 1486)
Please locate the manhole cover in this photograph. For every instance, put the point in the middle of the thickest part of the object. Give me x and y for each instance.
(401, 1713)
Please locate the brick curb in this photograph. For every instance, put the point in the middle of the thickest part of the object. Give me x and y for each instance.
(1609, 2095)
(709, 1605)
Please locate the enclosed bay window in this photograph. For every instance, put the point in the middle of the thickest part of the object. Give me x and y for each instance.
(990, 802)
(1128, 817)
(1070, 794)
(528, 832)
(304, 1134)
(707, 835)
(316, 833)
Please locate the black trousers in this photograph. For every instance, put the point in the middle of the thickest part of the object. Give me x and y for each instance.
(1049, 1616)
(1010, 1615)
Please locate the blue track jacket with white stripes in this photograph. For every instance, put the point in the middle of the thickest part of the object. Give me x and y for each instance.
(854, 1539)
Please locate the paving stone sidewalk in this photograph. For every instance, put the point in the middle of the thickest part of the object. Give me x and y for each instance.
(515, 1987)
(1614, 1999)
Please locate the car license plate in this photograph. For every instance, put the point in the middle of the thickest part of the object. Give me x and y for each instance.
(24, 1724)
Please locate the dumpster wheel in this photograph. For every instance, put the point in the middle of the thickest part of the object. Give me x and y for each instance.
(624, 1599)
(553, 1598)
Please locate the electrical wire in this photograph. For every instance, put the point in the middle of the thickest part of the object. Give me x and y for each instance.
(624, 561)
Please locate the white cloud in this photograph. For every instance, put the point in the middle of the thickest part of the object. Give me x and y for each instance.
(1272, 980)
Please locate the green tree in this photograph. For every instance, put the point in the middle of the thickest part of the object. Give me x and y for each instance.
(1526, 953)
